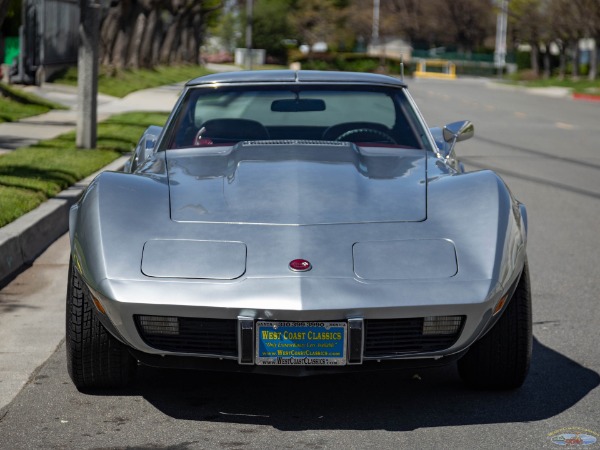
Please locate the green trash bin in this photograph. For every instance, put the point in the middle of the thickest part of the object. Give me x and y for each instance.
(11, 49)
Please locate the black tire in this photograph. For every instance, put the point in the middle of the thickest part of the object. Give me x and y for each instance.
(95, 359)
(501, 358)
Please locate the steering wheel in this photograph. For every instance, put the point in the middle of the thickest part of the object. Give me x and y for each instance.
(380, 134)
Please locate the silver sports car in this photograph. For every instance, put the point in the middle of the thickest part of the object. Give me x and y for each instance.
(297, 223)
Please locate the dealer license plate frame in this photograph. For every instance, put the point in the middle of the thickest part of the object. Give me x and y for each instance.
(284, 345)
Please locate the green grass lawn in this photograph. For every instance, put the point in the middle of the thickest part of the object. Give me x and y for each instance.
(123, 82)
(31, 175)
(582, 86)
(16, 104)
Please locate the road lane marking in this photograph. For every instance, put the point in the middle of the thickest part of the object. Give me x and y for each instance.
(520, 115)
(563, 125)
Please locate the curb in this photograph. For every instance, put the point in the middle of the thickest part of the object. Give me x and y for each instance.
(24, 239)
(587, 97)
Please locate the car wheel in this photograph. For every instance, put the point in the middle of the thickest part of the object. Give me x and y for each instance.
(501, 358)
(95, 359)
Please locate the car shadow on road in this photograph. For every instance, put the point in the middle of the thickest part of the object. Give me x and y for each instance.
(374, 401)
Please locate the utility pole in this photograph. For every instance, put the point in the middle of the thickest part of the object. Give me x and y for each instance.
(500, 50)
(249, 34)
(87, 74)
(375, 30)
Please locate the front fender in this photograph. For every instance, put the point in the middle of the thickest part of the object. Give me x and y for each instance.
(116, 208)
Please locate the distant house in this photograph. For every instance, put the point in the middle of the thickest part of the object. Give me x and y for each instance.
(391, 48)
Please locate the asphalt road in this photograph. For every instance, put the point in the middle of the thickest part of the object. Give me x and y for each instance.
(548, 150)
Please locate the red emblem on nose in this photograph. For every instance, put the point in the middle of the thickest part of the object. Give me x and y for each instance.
(300, 265)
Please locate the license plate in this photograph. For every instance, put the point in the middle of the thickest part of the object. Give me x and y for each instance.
(301, 343)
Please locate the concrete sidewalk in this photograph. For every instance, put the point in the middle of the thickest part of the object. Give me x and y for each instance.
(27, 237)
(54, 123)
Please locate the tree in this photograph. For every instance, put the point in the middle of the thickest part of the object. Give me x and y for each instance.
(396, 18)
(471, 21)
(590, 14)
(432, 23)
(316, 20)
(228, 29)
(144, 33)
(4, 4)
(565, 23)
(530, 23)
(271, 26)
(569, 22)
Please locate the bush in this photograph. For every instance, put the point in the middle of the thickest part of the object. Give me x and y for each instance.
(351, 62)
(523, 60)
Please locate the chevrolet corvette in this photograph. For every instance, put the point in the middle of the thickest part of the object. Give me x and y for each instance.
(298, 223)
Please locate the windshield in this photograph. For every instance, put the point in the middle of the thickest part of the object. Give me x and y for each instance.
(366, 115)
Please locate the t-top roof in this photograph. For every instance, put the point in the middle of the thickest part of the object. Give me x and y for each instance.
(290, 76)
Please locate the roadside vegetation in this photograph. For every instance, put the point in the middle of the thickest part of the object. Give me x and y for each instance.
(119, 83)
(31, 175)
(16, 104)
(581, 86)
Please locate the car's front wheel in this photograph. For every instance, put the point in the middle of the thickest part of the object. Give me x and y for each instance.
(501, 358)
(95, 359)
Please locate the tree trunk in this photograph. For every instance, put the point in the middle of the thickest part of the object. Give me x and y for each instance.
(145, 53)
(108, 35)
(145, 33)
(194, 38)
(135, 44)
(180, 50)
(535, 63)
(191, 44)
(127, 19)
(576, 59)
(563, 62)
(119, 55)
(157, 38)
(198, 27)
(594, 60)
(546, 59)
(169, 44)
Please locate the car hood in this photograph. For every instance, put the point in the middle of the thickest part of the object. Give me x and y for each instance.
(297, 183)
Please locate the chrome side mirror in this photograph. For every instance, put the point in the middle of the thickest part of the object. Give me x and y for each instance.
(446, 137)
(144, 149)
(458, 131)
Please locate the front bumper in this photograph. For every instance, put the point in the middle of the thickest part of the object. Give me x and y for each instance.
(227, 365)
(396, 307)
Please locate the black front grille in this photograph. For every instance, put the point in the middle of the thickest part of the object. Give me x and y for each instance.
(389, 337)
(189, 335)
(383, 337)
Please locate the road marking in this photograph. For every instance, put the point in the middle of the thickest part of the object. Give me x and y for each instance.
(520, 115)
(490, 108)
(563, 125)
(470, 103)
